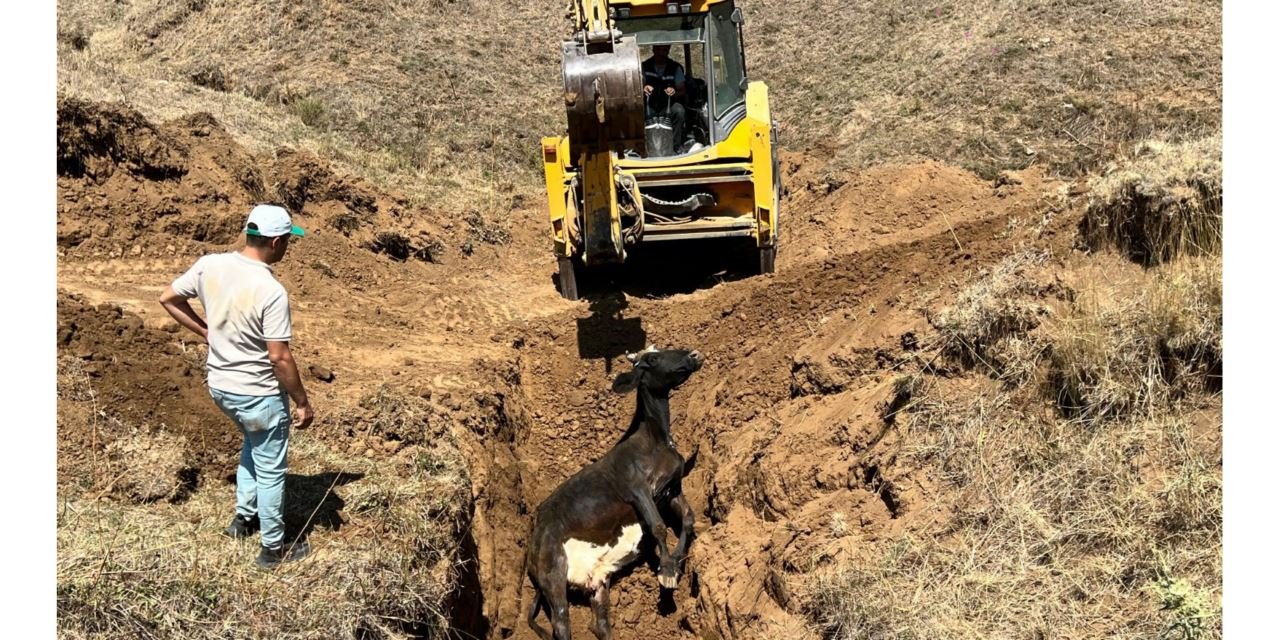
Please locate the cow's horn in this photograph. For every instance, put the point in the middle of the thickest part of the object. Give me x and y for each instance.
(635, 357)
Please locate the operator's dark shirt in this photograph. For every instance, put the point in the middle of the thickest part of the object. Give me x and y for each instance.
(671, 74)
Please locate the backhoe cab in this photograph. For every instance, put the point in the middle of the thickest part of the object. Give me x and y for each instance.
(667, 139)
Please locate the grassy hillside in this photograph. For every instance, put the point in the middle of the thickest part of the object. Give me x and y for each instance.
(443, 99)
(446, 99)
(989, 84)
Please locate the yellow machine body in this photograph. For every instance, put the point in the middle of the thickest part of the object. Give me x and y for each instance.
(603, 196)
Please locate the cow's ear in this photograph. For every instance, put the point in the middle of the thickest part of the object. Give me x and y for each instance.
(626, 382)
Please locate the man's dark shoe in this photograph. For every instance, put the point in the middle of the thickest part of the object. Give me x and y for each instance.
(241, 527)
(271, 558)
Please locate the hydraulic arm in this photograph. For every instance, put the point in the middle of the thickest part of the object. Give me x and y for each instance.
(604, 102)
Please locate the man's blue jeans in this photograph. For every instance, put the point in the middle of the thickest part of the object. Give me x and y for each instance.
(264, 458)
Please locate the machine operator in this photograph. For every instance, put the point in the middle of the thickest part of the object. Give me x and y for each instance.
(664, 82)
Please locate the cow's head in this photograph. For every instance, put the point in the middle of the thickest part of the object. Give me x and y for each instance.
(658, 370)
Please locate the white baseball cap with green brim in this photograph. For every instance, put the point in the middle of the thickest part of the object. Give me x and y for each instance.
(271, 220)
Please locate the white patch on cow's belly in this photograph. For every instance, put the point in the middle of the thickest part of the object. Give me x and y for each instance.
(590, 565)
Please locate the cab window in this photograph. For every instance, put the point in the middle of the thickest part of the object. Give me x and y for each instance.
(728, 70)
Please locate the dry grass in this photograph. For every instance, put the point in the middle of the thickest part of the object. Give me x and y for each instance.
(1164, 202)
(1132, 352)
(1057, 530)
(987, 84)
(1099, 518)
(989, 323)
(1112, 349)
(418, 95)
(385, 533)
(143, 572)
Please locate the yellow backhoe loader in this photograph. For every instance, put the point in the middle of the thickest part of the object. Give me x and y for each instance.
(679, 146)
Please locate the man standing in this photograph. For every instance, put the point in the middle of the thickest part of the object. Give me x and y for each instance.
(664, 82)
(251, 373)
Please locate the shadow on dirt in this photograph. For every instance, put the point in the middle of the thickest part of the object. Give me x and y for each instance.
(466, 601)
(651, 271)
(606, 334)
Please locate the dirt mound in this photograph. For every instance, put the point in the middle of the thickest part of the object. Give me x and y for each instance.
(95, 140)
(134, 375)
(128, 187)
(834, 214)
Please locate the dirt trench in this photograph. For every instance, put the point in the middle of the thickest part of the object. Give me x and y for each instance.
(791, 422)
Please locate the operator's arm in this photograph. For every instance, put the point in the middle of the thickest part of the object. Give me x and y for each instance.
(286, 369)
(679, 80)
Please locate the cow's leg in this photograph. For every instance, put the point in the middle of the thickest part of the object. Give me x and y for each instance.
(557, 597)
(600, 608)
(679, 505)
(656, 528)
(549, 573)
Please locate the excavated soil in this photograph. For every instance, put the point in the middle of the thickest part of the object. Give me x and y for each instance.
(791, 420)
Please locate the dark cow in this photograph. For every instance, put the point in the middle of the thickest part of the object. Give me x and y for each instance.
(591, 525)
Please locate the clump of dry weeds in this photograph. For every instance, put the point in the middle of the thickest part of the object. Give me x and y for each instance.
(1164, 202)
(1115, 355)
(149, 465)
(991, 321)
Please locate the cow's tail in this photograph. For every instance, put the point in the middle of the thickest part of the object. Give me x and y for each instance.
(539, 602)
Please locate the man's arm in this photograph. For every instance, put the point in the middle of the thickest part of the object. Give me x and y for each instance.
(287, 372)
(181, 310)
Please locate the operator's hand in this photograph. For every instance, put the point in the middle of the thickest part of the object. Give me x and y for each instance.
(303, 416)
(671, 91)
(648, 89)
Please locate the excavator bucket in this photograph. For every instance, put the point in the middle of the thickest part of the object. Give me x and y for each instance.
(603, 93)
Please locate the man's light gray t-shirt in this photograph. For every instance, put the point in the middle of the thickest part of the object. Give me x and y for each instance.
(245, 307)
